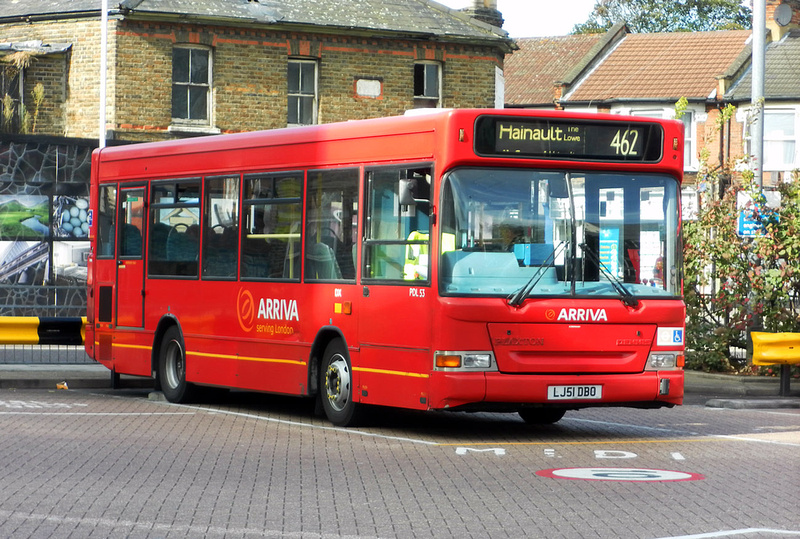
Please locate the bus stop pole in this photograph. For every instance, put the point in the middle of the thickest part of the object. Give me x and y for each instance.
(785, 376)
(757, 93)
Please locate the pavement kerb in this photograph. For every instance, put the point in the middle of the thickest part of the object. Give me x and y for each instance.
(719, 388)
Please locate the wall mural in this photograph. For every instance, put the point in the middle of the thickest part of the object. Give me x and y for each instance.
(44, 200)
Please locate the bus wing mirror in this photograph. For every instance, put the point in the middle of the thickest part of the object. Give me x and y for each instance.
(406, 192)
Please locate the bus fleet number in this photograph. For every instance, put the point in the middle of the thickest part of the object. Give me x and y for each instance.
(416, 292)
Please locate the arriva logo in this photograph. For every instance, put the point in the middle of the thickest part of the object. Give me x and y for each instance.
(583, 315)
(278, 309)
(271, 309)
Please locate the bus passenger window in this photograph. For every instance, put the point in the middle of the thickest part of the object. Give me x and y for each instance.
(131, 208)
(397, 233)
(271, 226)
(106, 220)
(331, 224)
(221, 235)
(174, 241)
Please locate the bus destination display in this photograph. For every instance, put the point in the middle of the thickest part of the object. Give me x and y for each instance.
(557, 139)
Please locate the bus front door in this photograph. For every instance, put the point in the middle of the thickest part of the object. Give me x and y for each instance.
(130, 259)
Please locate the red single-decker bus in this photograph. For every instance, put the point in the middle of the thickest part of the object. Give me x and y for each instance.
(510, 260)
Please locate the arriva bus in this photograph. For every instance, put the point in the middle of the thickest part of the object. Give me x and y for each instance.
(509, 260)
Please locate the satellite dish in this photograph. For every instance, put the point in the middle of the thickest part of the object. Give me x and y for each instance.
(783, 14)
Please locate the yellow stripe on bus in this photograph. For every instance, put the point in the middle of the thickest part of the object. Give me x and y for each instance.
(393, 373)
(245, 358)
(121, 345)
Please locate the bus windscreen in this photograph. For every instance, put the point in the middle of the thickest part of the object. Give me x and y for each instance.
(546, 138)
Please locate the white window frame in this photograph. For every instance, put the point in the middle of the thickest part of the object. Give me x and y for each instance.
(745, 117)
(691, 162)
(303, 94)
(426, 99)
(773, 138)
(190, 124)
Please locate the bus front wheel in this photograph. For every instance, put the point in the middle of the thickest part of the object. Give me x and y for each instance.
(172, 367)
(336, 386)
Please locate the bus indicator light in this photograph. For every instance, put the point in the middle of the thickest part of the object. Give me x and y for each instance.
(448, 362)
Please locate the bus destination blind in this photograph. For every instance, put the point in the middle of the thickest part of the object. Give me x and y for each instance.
(555, 139)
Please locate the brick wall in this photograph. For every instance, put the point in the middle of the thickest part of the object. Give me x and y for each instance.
(249, 75)
(71, 107)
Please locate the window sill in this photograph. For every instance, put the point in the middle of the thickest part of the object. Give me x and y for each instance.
(193, 129)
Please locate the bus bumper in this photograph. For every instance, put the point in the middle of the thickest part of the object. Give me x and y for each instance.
(490, 389)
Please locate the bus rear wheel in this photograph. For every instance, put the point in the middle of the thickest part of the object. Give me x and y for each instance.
(541, 416)
(172, 367)
(336, 386)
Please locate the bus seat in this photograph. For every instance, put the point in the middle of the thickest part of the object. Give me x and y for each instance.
(321, 263)
(131, 240)
(182, 246)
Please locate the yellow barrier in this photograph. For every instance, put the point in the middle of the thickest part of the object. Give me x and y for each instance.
(776, 348)
(42, 330)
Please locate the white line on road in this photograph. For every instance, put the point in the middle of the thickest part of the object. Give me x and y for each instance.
(728, 533)
(98, 413)
(315, 427)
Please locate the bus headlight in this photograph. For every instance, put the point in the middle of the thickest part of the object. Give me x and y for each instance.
(664, 360)
(464, 361)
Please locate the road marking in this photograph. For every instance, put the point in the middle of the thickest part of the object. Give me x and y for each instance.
(98, 413)
(104, 525)
(499, 451)
(637, 475)
(746, 438)
(628, 425)
(678, 456)
(584, 442)
(727, 533)
(315, 427)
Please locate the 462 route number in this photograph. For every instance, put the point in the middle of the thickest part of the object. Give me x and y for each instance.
(624, 142)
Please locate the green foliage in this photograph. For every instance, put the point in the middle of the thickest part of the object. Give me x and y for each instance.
(667, 15)
(734, 284)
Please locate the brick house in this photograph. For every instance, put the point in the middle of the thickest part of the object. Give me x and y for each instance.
(216, 66)
(178, 69)
(645, 74)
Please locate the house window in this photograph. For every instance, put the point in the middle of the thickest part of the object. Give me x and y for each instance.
(302, 104)
(191, 84)
(10, 95)
(689, 153)
(689, 144)
(780, 142)
(427, 85)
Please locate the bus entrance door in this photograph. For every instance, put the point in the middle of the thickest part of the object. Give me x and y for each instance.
(130, 262)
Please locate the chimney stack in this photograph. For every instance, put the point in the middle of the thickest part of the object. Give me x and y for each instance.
(485, 11)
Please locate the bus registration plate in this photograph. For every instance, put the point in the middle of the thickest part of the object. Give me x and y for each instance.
(555, 393)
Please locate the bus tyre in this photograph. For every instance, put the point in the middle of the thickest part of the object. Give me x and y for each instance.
(172, 367)
(541, 416)
(336, 386)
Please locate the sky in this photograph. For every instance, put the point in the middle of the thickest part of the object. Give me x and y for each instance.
(536, 18)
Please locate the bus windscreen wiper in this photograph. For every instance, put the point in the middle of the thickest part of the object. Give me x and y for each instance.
(516, 299)
(626, 296)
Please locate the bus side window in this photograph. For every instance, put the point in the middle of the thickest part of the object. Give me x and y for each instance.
(220, 237)
(331, 224)
(271, 227)
(397, 233)
(106, 220)
(173, 244)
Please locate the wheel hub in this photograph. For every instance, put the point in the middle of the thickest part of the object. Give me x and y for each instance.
(337, 383)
